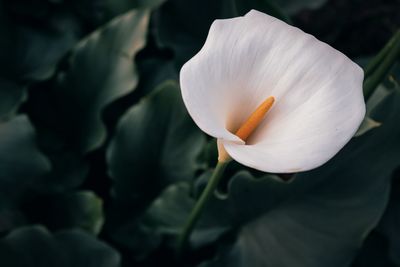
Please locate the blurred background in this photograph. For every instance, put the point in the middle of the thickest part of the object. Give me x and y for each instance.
(79, 158)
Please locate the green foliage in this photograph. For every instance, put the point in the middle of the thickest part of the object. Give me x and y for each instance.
(100, 163)
(11, 96)
(21, 161)
(142, 161)
(35, 246)
(81, 209)
(115, 7)
(293, 6)
(186, 39)
(100, 71)
(138, 152)
(390, 225)
(32, 51)
(158, 227)
(366, 125)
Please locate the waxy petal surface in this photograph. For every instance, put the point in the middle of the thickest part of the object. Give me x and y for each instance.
(318, 90)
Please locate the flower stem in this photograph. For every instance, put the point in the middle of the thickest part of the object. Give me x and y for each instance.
(381, 64)
(373, 63)
(200, 205)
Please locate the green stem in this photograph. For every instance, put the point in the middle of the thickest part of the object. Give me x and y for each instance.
(381, 55)
(378, 69)
(200, 205)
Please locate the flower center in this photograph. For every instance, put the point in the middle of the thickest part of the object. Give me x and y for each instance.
(248, 126)
(255, 119)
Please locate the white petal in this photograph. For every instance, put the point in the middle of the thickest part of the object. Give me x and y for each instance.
(319, 103)
(209, 80)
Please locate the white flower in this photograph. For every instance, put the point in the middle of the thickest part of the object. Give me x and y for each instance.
(318, 104)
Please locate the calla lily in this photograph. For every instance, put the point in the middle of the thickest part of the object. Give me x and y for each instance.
(310, 94)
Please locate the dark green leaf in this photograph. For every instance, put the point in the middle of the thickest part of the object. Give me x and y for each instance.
(21, 167)
(266, 6)
(164, 219)
(81, 209)
(156, 144)
(11, 96)
(390, 223)
(35, 246)
(376, 98)
(292, 7)
(68, 112)
(99, 12)
(31, 51)
(69, 168)
(115, 7)
(183, 25)
(374, 252)
(21, 163)
(83, 249)
(101, 70)
(367, 125)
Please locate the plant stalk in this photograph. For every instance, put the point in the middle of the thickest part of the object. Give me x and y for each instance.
(381, 64)
(374, 63)
(200, 205)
